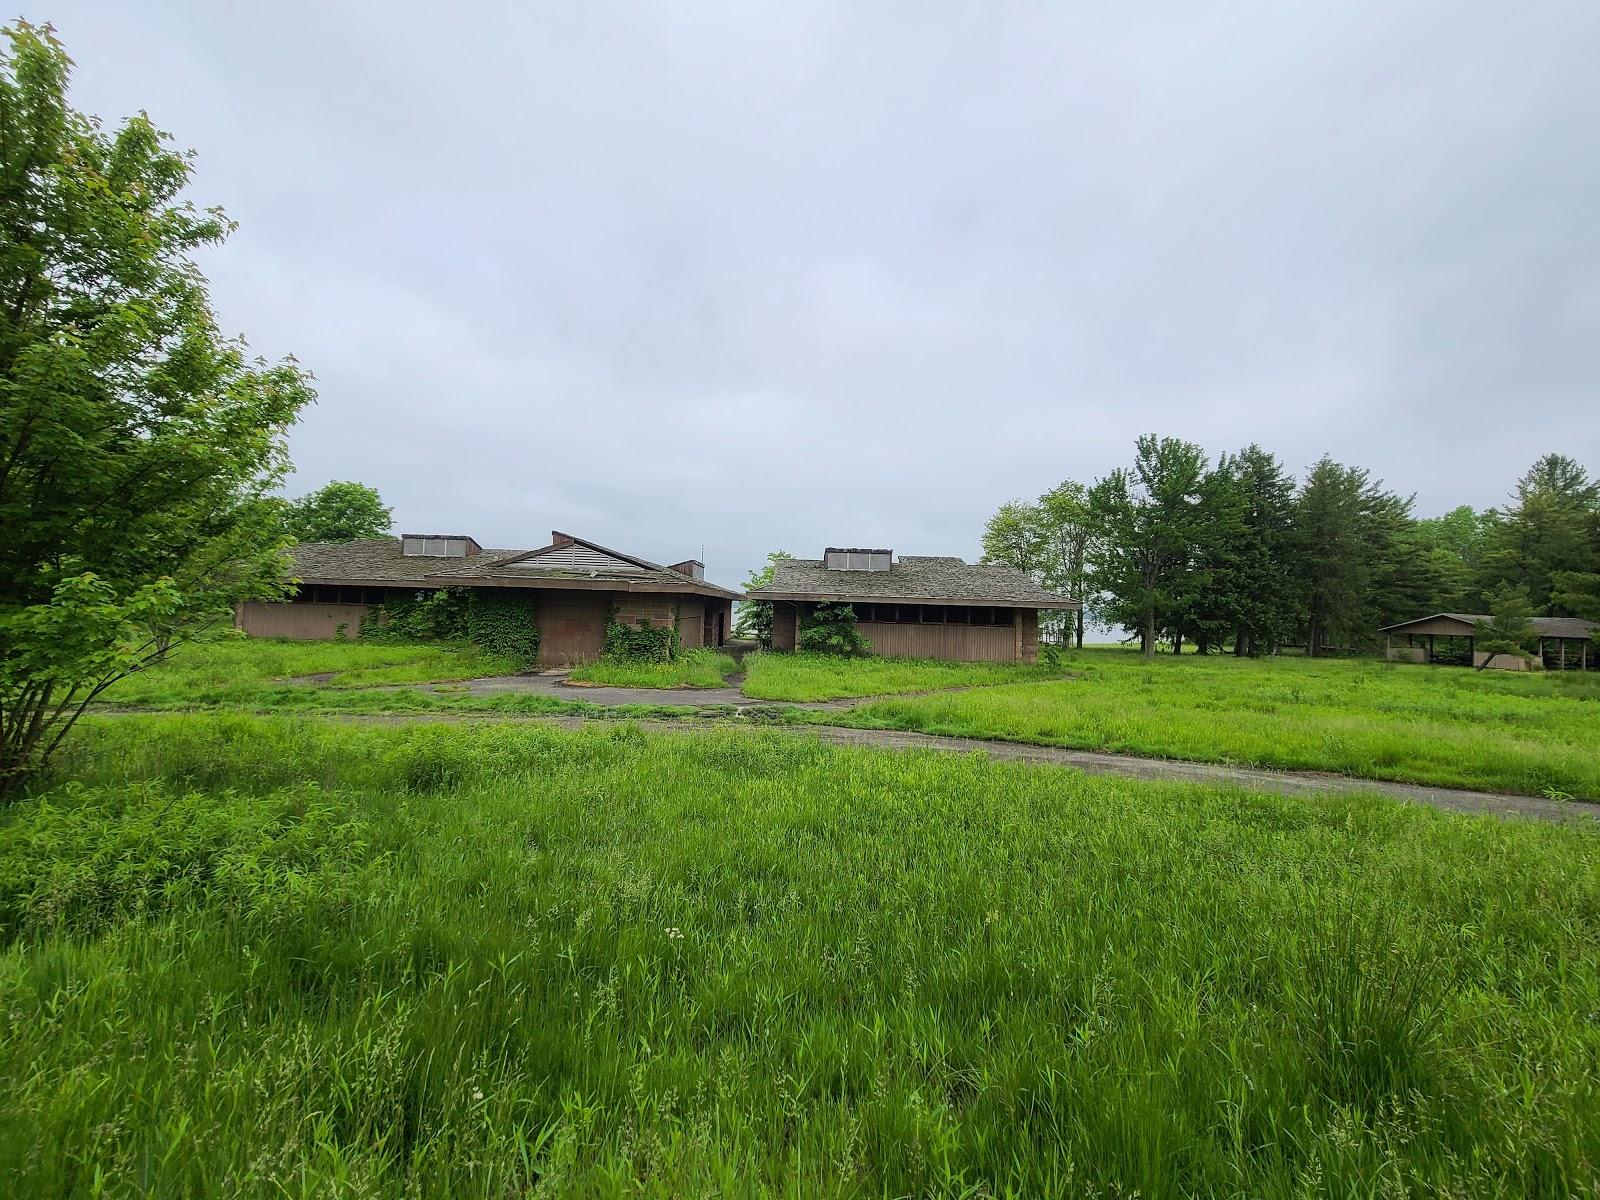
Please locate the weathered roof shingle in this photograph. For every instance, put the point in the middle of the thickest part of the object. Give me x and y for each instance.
(379, 561)
(921, 578)
(1550, 627)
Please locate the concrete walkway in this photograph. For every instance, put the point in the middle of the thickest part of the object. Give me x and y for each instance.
(1125, 766)
(556, 687)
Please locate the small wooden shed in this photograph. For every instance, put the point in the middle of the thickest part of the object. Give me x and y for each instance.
(1565, 643)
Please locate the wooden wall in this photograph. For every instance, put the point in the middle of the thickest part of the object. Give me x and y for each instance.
(954, 643)
(784, 626)
(302, 622)
(572, 627)
(691, 622)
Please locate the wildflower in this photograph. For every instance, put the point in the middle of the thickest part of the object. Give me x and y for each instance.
(673, 933)
(477, 1093)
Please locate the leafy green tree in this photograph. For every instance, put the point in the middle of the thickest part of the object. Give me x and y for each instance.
(339, 512)
(1014, 537)
(1509, 629)
(1049, 540)
(138, 447)
(1067, 532)
(1150, 522)
(755, 616)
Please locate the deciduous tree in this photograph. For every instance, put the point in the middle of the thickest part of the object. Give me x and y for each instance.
(1150, 522)
(339, 512)
(138, 447)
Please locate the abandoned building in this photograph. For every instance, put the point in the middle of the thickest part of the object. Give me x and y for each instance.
(1565, 643)
(579, 586)
(915, 606)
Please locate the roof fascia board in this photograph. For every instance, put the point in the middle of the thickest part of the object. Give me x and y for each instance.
(960, 602)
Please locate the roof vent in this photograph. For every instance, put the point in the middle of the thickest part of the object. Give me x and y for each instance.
(692, 567)
(438, 545)
(835, 558)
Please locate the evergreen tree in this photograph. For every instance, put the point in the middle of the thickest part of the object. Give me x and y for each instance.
(1348, 555)
(1550, 527)
(1246, 594)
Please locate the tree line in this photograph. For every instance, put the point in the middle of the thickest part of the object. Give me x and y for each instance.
(1240, 555)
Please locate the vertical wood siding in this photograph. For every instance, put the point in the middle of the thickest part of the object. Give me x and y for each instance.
(302, 622)
(955, 643)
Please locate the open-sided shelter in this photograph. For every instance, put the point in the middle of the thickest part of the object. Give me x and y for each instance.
(1564, 642)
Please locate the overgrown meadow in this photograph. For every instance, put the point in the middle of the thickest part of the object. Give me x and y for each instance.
(266, 957)
(1533, 734)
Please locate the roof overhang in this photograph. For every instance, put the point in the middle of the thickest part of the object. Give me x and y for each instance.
(546, 583)
(1451, 618)
(959, 601)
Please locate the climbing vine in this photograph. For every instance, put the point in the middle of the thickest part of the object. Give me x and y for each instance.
(498, 621)
(501, 621)
(645, 643)
(425, 616)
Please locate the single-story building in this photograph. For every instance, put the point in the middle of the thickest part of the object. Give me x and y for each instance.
(1564, 642)
(915, 606)
(577, 585)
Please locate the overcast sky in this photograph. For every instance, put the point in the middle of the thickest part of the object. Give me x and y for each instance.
(752, 276)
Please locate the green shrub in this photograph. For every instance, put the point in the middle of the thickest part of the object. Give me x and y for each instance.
(648, 642)
(831, 629)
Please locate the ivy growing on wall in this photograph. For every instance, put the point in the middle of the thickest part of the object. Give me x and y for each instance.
(425, 616)
(646, 643)
(499, 621)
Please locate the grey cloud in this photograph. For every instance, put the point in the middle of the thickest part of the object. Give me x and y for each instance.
(760, 276)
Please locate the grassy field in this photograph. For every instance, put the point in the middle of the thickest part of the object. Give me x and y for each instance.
(1534, 734)
(244, 672)
(693, 669)
(800, 677)
(1531, 734)
(259, 957)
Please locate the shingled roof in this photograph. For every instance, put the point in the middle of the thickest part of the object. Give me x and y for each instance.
(380, 561)
(1575, 628)
(911, 578)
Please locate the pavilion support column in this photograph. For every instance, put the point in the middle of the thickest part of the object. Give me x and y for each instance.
(1430, 647)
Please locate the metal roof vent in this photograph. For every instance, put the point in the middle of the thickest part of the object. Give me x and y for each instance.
(835, 558)
(437, 545)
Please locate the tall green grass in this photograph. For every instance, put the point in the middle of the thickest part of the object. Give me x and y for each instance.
(250, 671)
(263, 957)
(810, 677)
(692, 669)
(1530, 734)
